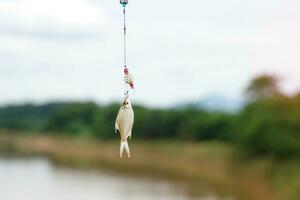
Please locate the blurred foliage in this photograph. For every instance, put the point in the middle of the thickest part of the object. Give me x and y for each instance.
(271, 126)
(73, 118)
(268, 125)
(263, 86)
(26, 117)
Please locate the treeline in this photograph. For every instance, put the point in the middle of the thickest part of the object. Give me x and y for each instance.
(268, 125)
(98, 121)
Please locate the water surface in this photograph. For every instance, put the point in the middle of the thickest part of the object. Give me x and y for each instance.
(38, 179)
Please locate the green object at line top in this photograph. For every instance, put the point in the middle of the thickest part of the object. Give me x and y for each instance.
(124, 2)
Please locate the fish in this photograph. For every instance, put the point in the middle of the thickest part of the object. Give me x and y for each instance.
(124, 124)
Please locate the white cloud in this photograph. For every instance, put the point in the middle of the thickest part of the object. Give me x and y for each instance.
(38, 17)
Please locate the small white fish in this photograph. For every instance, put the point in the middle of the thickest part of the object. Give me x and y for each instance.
(124, 124)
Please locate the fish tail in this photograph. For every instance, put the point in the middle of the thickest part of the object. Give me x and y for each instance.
(124, 146)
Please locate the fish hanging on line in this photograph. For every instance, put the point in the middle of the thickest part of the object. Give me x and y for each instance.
(124, 124)
(125, 118)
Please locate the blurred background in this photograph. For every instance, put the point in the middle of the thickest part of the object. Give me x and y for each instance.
(217, 100)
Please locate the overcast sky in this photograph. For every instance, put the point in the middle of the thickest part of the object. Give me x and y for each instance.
(178, 50)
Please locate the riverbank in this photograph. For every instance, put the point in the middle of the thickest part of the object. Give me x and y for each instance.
(214, 163)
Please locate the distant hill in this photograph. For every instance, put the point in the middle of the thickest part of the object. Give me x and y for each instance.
(215, 103)
(221, 103)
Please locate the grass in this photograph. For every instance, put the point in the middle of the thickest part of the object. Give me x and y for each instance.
(214, 163)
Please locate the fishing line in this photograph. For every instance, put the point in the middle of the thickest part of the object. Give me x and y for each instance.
(128, 77)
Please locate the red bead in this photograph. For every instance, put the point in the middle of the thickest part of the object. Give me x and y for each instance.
(131, 85)
(126, 71)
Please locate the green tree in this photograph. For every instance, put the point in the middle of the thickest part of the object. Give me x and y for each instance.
(263, 86)
(270, 123)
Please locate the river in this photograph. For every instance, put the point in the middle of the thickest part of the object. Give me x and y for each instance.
(39, 179)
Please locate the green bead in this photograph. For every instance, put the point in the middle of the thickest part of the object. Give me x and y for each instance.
(124, 5)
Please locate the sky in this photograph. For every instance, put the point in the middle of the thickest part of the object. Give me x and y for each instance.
(178, 51)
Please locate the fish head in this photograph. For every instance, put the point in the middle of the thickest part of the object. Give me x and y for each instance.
(126, 104)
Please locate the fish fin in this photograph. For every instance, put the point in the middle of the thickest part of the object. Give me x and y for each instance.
(116, 127)
(121, 148)
(129, 135)
(124, 146)
(127, 149)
